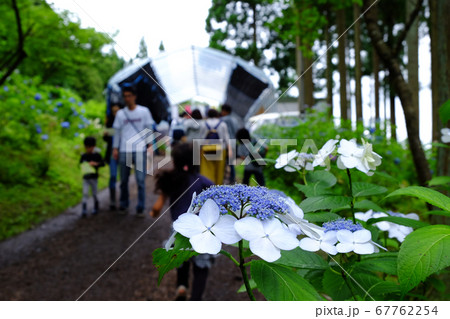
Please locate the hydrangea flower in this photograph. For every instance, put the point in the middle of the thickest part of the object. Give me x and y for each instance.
(359, 242)
(71, 100)
(80, 103)
(37, 96)
(257, 201)
(207, 230)
(32, 107)
(76, 134)
(59, 104)
(354, 156)
(394, 230)
(445, 135)
(286, 161)
(44, 137)
(38, 129)
(266, 237)
(340, 224)
(326, 242)
(323, 155)
(5, 88)
(65, 124)
(55, 110)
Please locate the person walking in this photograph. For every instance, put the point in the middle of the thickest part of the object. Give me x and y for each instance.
(233, 124)
(130, 122)
(178, 186)
(90, 161)
(113, 164)
(244, 142)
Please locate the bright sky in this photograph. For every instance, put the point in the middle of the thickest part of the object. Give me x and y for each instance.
(178, 23)
(181, 23)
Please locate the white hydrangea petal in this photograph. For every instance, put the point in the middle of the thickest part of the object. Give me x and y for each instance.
(412, 216)
(362, 236)
(209, 213)
(191, 207)
(339, 163)
(344, 247)
(328, 248)
(264, 248)
(224, 230)
(344, 236)
(350, 161)
(309, 244)
(295, 229)
(283, 239)
(363, 249)
(330, 237)
(189, 225)
(249, 228)
(206, 243)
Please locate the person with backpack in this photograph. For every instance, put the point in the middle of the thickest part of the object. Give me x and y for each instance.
(244, 142)
(178, 186)
(129, 123)
(217, 142)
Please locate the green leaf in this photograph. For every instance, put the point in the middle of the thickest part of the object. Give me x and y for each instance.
(437, 212)
(319, 183)
(281, 283)
(444, 112)
(439, 180)
(252, 286)
(400, 221)
(383, 288)
(320, 217)
(367, 189)
(335, 286)
(312, 204)
(386, 264)
(299, 258)
(429, 195)
(166, 260)
(362, 205)
(424, 252)
(322, 178)
(312, 190)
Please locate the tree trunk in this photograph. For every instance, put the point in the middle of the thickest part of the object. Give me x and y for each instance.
(301, 80)
(309, 83)
(412, 43)
(358, 68)
(376, 87)
(443, 75)
(329, 68)
(20, 53)
(404, 92)
(390, 26)
(342, 66)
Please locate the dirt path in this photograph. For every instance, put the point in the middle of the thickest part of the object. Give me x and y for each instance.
(61, 258)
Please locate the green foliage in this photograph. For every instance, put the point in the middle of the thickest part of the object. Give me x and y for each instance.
(166, 260)
(278, 282)
(367, 189)
(58, 50)
(429, 195)
(424, 252)
(300, 259)
(323, 202)
(39, 174)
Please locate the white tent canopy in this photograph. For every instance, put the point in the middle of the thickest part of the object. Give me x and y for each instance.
(195, 72)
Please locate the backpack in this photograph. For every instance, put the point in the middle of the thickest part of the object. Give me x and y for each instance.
(212, 132)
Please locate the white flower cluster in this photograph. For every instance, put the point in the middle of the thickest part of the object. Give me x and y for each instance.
(208, 230)
(445, 135)
(350, 155)
(394, 230)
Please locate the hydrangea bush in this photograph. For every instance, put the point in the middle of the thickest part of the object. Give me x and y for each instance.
(334, 245)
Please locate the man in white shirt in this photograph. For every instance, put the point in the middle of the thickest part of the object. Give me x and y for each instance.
(129, 122)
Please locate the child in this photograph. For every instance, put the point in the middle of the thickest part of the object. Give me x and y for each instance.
(178, 185)
(90, 162)
(253, 168)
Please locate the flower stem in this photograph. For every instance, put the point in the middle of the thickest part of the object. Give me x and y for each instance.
(244, 271)
(352, 199)
(227, 254)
